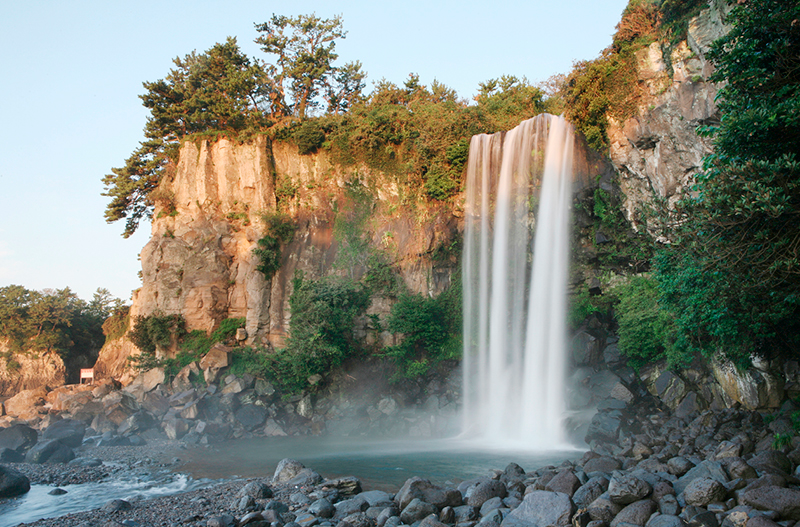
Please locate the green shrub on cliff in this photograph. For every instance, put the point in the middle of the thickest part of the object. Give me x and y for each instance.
(280, 231)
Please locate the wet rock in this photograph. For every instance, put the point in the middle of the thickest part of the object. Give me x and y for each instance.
(603, 509)
(636, 513)
(771, 462)
(57, 492)
(116, 505)
(416, 510)
(605, 464)
(322, 508)
(665, 520)
(426, 491)
(786, 502)
(485, 491)
(12, 482)
(624, 489)
(706, 469)
(18, 437)
(286, 470)
(68, 431)
(565, 481)
(50, 452)
(702, 491)
(590, 491)
(604, 427)
(10, 456)
(251, 416)
(256, 489)
(541, 508)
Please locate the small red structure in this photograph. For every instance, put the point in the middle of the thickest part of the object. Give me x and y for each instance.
(88, 374)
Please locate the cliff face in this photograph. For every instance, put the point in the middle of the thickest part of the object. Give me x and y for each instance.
(658, 152)
(25, 371)
(200, 263)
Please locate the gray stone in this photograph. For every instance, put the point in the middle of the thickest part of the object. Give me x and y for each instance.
(636, 513)
(679, 466)
(426, 491)
(771, 462)
(116, 505)
(50, 452)
(491, 504)
(786, 502)
(565, 481)
(761, 521)
(322, 508)
(416, 510)
(11, 456)
(702, 491)
(68, 431)
(376, 498)
(485, 491)
(251, 416)
(286, 470)
(605, 464)
(703, 519)
(668, 505)
(306, 519)
(604, 427)
(665, 520)
(603, 509)
(706, 469)
(624, 489)
(223, 520)
(18, 437)
(306, 477)
(738, 468)
(589, 492)
(352, 506)
(12, 482)
(385, 515)
(256, 489)
(541, 508)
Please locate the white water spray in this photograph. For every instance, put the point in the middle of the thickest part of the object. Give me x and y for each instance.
(515, 284)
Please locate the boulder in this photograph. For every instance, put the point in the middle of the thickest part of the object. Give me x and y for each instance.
(53, 451)
(286, 470)
(706, 469)
(68, 431)
(636, 513)
(589, 491)
(251, 416)
(255, 489)
(118, 406)
(322, 508)
(426, 491)
(175, 428)
(752, 388)
(702, 491)
(605, 464)
(484, 491)
(670, 389)
(12, 483)
(11, 456)
(183, 380)
(26, 404)
(771, 462)
(565, 481)
(786, 502)
(603, 509)
(665, 520)
(604, 427)
(541, 508)
(625, 488)
(345, 508)
(18, 437)
(585, 349)
(138, 422)
(218, 357)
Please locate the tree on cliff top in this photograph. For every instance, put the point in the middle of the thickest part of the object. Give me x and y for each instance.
(304, 47)
(220, 89)
(732, 275)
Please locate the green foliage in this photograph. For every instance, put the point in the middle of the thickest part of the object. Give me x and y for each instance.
(280, 231)
(227, 329)
(303, 47)
(116, 325)
(53, 320)
(441, 183)
(157, 331)
(321, 327)
(646, 330)
(219, 89)
(255, 362)
(431, 330)
(732, 274)
(309, 137)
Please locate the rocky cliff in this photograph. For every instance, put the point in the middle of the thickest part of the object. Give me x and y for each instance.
(200, 263)
(24, 371)
(658, 152)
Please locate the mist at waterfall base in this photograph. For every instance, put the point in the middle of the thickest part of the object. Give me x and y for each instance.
(515, 285)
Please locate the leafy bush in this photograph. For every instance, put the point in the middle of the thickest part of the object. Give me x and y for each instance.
(309, 137)
(440, 183)
(321, 328)
(116, 325)
(227, 329)
(157, 331)
(280, 230)
(431, 330)
(646, 330)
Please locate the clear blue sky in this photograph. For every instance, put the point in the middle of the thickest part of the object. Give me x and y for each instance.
(72, 71)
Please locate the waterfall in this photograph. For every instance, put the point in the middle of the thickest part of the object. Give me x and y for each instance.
(515, 283)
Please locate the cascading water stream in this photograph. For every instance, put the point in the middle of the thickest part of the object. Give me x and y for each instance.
(515, 284)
